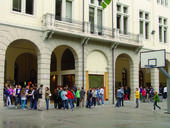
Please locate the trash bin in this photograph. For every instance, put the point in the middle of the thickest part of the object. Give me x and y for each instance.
(160, 97)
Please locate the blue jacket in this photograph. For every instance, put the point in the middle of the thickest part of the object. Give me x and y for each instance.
(119, 93)
(18, 92)
(7, 93)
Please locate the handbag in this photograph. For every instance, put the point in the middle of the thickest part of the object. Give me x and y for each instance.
(50, 94)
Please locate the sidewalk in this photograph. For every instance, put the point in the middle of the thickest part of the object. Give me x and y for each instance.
(106, 116)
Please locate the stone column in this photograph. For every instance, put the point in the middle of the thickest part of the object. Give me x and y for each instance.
(2, 67)
(155, 79)
(134, 79)
(44, 71)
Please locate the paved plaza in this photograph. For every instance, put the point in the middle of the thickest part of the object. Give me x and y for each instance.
(106, 116)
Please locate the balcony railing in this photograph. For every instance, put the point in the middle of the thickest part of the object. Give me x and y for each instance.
(76, 27)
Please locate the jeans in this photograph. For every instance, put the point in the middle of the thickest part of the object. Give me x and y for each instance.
(31, 103)
(137, 103)
(65, 104)
(23, 104)
(11, 99)
(8, 101)
(47, 103)
(89, 103)
(155, 105)
(35, 104)
(102, 98)
(70, 101)
(122, 100)
(16, 100)
(118, 102)
(94, 101)
(98, 99)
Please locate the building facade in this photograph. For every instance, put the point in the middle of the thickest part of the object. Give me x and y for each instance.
(67, 42)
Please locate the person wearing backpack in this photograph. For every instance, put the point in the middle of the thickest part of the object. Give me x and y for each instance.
(40, 94)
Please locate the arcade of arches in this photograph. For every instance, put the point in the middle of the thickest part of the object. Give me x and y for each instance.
(21, 64)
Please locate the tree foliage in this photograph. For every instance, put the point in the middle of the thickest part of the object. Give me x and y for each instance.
(105, 3)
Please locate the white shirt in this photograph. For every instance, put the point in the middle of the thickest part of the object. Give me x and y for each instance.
(165, 89)
(102, 91)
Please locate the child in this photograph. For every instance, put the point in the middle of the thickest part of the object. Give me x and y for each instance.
(137, 97)
(23, 98)
(156, 99)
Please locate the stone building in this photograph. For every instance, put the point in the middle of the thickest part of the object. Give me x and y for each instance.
(67, 42)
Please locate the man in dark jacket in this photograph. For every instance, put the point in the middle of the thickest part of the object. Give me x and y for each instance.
(82, 96)
(89, 96)
(40, 93)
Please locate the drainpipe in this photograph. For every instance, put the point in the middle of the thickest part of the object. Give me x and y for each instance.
(83, 15)
(114, 46)
(85, 40)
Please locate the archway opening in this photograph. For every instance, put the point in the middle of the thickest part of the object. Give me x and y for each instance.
(122, 74)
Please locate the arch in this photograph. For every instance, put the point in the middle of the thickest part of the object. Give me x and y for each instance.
(97, 62)
(27, 68)
(67, 60)
(20, 48)
(126, 56)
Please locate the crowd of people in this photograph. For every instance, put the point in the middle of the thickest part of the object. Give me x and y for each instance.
(63, 97)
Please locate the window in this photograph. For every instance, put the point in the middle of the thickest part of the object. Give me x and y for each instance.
(91, 19)
(144, 24)
(99, 21)
(27, 7)
(58, 10)
(163, 2)
(122, 18)
(16, 5)
(96, 17)
(162, 29)
(68, 11)
(92, 1)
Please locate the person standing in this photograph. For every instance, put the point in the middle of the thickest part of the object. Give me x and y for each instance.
(65, 99)
(47, 97)
(17, 96)
(94, 95)
(31, 97)
(165, 92)
(98, 96)
(70, 98)
(137, 97)
(102, 95)
(119, 95)
(82, 97)
(8, 101)
(10, 93)
(89, 96)
(55, 96)
(126, 93)
(143, 94)
(141, 89)
(40, 94)
(156, 100)
(35, 98)
(122, 97)
(129, 92)
(78, 97)
(23, 98)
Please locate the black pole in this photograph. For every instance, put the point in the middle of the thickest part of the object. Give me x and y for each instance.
(83, 16)
(113, 75)
(83, 63)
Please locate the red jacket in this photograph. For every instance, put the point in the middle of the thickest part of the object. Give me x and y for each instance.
(70, 95)
(143, 93)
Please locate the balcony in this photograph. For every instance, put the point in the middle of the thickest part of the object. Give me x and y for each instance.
(74, 28)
